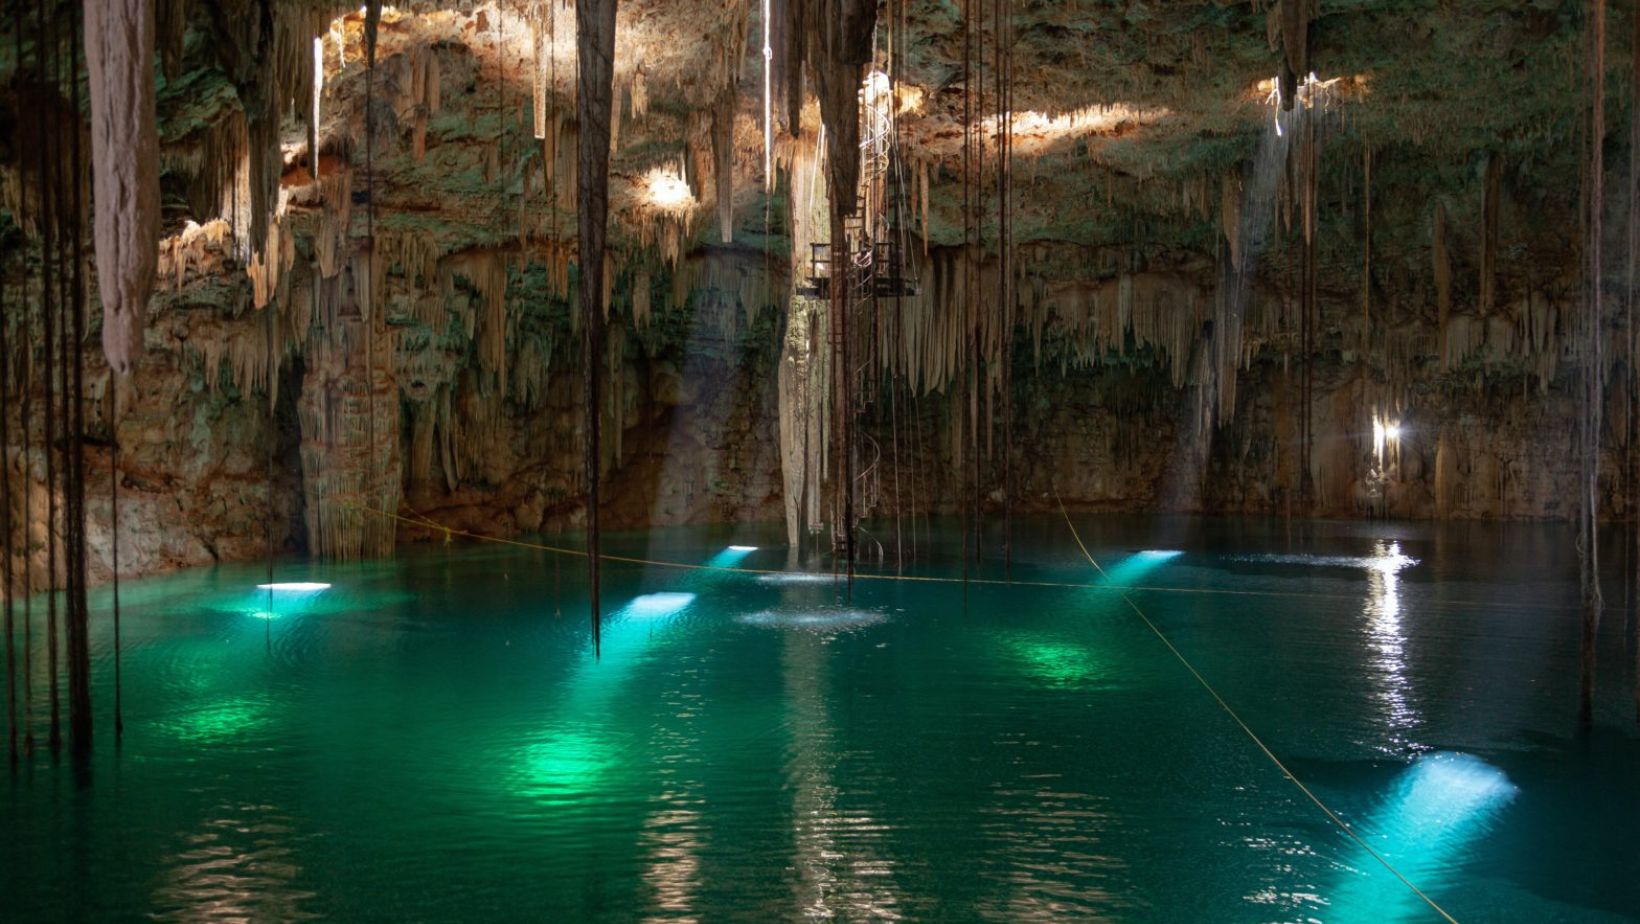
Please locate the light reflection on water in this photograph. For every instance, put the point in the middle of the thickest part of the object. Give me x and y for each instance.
(1392, 685)
(238, 866)
(761, 750)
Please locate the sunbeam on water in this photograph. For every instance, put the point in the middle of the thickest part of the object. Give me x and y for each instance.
(295, 587)
(1388, 562)
(764, 750)
(821, 620)
(657, 605)
(796, 579)
(1438, 807)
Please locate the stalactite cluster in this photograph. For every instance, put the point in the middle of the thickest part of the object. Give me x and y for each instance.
(395, 202)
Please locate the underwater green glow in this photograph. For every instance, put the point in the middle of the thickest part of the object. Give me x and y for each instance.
(217, 723)
(1056, 662)
(563, 766)
(563, 763)
(426, 741)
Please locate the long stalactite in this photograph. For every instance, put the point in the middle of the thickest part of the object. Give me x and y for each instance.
(595, 65)
(1631, 292)
(119, 54)
(79, 631)
(1593, 397)
(7, 309)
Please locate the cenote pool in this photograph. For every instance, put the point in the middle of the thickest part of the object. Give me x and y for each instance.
(431, 739)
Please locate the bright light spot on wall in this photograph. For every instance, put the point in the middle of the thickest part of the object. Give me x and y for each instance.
(668, 191)
(1311, 93)
(742, 548)
(1034, 131)
(654, 606)
(1386, 441)
(1161, 554)
(875, 87)
(298, 587)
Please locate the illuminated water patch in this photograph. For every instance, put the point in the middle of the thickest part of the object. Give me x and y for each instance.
(731, 556)
(221, 721)
(821, 620)
(654, 606)
(1391, 562)
(1159, 555)
(561, 767)
(1438, 807)
(296, 587)
(1137, 565)
(795, 579)
(1055, 662)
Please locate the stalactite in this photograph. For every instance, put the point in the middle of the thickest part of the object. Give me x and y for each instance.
(639, 94)
(79, 632)
(595, 56)
(487, 271)
(171, 28)
(6, 521)
(269, 268)
(1443, 285)
(1593, 366)
(723, 162)
(1230, 216)
(350, 461)
(640, 298)
(315, 99)
(48, 176)
(1291, 20)
(330, 236)
(922, 197)
(541, 62)
(1366, 248)
(1634, 341)
(803, 379)
(1310, 170)
(119, 37)
(1489, 236)
(419, 93)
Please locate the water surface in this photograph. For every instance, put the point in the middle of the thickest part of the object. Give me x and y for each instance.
(432, 739)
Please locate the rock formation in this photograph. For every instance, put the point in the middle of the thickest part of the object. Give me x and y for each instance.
(368, 272)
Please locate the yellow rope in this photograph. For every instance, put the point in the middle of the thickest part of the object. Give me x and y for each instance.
(1253, 736)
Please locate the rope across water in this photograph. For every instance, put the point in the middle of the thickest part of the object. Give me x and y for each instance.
(428, 523)
(1252, 735)
(449, 533)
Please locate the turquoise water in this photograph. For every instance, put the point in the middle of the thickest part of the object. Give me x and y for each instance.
(431, 739)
